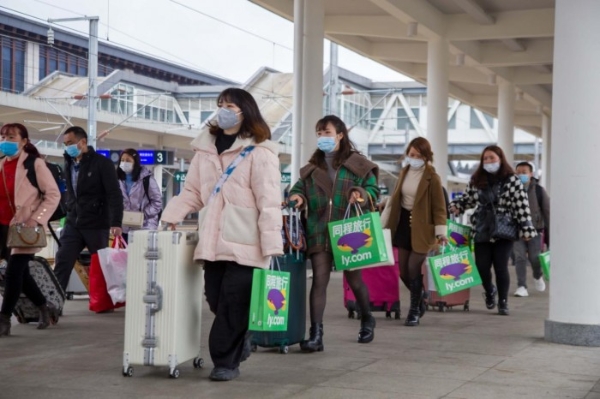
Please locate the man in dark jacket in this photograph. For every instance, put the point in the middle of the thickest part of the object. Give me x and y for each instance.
(94, 202)
(539, 205)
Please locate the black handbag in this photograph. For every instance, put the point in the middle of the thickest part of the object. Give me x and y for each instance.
(505, 227)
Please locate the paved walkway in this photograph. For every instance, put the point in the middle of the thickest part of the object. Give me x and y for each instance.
(456, 354)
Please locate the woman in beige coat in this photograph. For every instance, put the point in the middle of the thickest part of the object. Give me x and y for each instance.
(240, 219)
(416, 216)
(20, 203)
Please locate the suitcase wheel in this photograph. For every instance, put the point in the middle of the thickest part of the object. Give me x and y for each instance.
(198, 363)
(21, 320)
(254, 347)
(174, 374)
(466, 307)
(388, 315)
(441, 307)
(284, 350)
(128, 372)
(350, 314)
(397, 315)
(70, 296)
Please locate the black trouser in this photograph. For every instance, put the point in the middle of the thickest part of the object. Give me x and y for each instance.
(497, 254)
(19, 280)
(228, 287)
(4, 250)
(321, 265)
(72, 242)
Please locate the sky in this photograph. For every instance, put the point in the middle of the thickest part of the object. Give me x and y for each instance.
(227, 38)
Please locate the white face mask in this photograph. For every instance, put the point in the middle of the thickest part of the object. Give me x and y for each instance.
(491, 167)
(415, 163)
(126, 167)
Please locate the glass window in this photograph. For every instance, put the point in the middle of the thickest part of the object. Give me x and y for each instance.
(204, 115)
(19, 70)
(452, 122)
(404, 121)
(6, 67)
(476, 123)
(62, 62)
(375, 115)
(73, 67)
(42, 64)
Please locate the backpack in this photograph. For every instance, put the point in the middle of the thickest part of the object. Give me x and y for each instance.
(146, 182)
(59, 177)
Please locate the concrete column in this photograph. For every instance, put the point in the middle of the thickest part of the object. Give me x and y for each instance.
(574, 295)
(32, 64)
(546, 148)
(158, 175)
(296, 151)
(506, 120)
(312, 75)
(437, 103)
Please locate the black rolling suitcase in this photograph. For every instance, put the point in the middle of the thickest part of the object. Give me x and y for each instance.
(39, 268)
(293, 262)
(296, 266)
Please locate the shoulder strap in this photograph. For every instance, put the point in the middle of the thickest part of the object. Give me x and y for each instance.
(230, 170)
(146, 182)
(539, 195)
(29, 164)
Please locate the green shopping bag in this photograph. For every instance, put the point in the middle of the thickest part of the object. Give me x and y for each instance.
(545, 263)
(359, 242)
(269, 302)
(454, 271)
(459, 235)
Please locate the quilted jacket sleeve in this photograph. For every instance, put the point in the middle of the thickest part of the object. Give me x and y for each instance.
(265, 182)
(189, 199)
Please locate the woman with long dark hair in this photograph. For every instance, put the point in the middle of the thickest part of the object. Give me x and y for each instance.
(20, 203)
(140, 191)
(335, 176)
(416, 215)
(500, 201)
(239, 224)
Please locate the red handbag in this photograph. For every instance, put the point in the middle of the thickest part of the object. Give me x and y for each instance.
(100, 300)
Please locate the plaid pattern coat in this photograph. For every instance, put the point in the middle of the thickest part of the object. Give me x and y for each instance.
(327, 201)
(513, 201)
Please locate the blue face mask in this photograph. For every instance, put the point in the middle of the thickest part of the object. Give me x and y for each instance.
(73, 151)
(9, 148)
(326, 144)
(524, 179)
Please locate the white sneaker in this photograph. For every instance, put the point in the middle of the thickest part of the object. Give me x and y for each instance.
(540, 285)
(521, 291)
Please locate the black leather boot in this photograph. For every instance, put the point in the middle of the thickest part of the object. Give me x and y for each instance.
(48, 315)
(503, 307)
(423, 303)
(416, 297)
(315, 340)
(4, 325)
(367, 329)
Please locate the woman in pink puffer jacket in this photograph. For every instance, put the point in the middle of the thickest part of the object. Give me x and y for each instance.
(239, 226)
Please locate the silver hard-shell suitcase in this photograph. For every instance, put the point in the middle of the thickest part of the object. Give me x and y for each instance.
(164, 301)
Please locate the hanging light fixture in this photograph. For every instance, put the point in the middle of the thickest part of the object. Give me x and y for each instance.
(50, 36)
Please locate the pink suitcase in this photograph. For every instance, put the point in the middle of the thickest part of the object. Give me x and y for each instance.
(384, 291)
(443, 303)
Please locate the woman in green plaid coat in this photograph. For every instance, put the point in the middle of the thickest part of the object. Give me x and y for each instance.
(337, 175)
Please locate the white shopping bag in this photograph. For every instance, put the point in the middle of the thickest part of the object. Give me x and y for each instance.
(113, 262)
